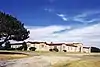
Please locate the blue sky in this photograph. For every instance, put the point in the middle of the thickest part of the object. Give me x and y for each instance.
(43, 12)
(57, 18)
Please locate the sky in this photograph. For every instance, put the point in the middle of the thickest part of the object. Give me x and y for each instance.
(58, 20)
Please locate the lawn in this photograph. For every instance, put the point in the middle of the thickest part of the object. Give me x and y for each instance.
(86, 61)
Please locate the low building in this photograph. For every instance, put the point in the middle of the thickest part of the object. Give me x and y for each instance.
(40, 46)
(56, 45)
(62, 47)
(86, 49)
(68, 47)
(16, 45)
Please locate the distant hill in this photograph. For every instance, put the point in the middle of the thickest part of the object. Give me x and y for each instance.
(95, 49)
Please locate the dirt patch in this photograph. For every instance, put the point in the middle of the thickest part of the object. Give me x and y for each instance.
(5, 56)
(39, 61)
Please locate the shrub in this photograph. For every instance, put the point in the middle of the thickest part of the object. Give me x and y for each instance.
(50, 49)
(24, 46)
(64, 50)
(55, 49)
(95, 49)
(32, 48)
(11, 49)
(20, 48)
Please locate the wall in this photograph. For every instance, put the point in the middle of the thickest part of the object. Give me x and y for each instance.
(87, 50)
(15, 46)
(39, 47)
(44, 47)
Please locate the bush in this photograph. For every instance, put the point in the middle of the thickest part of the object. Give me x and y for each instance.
(24, 46)
(50, 49)
(64, 50)
(55, 49)
(95, 49)
(32, 48)
(11, 49)
(20, 48)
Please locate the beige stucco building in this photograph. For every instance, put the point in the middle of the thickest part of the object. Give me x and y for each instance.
(69, 47)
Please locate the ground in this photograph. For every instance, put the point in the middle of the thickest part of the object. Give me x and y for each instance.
(51, 59)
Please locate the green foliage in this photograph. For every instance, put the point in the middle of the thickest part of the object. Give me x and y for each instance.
(20, 48)
(50, 49)
(24, 46)
(95, 49)
(7, 45)
(55, 49)
(65, 50)
(32, 48)
(11, 28)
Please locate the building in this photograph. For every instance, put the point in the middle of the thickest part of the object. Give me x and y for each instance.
(68, 47)
(87, 49)
(40, 46)
(16, 45)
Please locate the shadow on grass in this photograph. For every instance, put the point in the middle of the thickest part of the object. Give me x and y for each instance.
(13, 53)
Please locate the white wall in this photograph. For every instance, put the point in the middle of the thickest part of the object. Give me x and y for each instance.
(15, 46)
(86, 50)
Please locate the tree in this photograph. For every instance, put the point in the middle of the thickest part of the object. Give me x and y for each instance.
(11, 29)
(7, 45)
(95, 49)
(24, 46)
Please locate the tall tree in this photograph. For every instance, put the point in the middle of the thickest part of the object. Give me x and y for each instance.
(11, 29)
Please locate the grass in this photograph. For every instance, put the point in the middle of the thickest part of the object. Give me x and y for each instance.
(9, 55)
(79, 63)
(48, 53)
(86, 61)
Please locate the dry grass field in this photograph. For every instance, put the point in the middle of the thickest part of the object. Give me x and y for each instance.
(80, 63)
(9, 55)
(85, 61)
(51, 59)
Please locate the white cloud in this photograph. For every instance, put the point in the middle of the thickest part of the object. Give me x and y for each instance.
(81, 17)
(62, 16)
(41, 32)
(89, 36)
(82, 20)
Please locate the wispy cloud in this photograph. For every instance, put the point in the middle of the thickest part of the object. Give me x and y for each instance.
(41, 32)
(87, 15)
(88, 35)
(62, 16)
(82, 20)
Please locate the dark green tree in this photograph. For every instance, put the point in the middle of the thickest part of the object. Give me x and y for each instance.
(11, 29)
(7, 45)
(24, 46)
